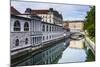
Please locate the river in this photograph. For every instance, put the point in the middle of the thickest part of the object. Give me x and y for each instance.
(67, 51)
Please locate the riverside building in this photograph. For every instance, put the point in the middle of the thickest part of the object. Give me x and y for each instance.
(28, 32)
(74, 26)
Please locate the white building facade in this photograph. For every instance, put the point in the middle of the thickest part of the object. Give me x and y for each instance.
(51, 31)
(20, 34)
(27, 31)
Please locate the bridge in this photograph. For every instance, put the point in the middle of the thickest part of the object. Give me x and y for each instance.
(76, 36)
(89, 44)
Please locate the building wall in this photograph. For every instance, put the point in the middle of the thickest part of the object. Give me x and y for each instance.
(78, 25)
(36, 35)
(22, 22)
(50, 18)
(74, 26)
(36, 32)
(20, 35)
(53, 33)
(57, 20)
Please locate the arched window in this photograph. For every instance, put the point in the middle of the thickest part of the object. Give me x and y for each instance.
(26, 41)
(17, 26)
(26, 26)
(17, 42)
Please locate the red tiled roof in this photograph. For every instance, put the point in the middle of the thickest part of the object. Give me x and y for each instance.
(44, 11)
(14, 11)
(40, 11)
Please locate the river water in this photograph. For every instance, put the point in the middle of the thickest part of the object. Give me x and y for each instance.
(63, 52)
(74, 53)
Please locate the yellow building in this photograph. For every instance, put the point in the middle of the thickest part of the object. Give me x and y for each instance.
(74, 26)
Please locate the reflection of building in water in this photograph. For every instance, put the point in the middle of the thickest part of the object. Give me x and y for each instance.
(76, 44)
(46, 57)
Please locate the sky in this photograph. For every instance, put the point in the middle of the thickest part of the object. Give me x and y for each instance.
(68, 11)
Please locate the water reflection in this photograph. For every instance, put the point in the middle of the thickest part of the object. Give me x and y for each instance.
(77, 43)
(63, 52)
(74, 53)
(48, 56)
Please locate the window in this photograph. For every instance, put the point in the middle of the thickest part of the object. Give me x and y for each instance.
(50, 28)
(26, 26)
(54, 28)
(17, 26)
(50, 37)
(33, 40)
(47, 27)
(17, 42)
(43, 38)
(37, 39)
(47, 37)
(43, 29)
(26, 41)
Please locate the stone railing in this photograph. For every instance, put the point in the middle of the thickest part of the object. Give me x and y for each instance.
(91, 44)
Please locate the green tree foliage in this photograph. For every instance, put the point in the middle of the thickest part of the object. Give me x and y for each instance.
(90, 22)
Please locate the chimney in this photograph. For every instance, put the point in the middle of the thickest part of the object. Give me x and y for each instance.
(51, 9)
(28, 11)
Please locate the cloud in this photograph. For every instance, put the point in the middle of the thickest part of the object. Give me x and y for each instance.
(68, 11)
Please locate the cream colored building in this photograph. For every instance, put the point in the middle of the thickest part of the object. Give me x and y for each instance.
(48, 15)
(74, 26)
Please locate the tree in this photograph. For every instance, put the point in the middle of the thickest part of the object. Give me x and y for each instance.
(90, 22)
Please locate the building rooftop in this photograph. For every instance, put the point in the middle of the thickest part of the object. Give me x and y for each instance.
(40, 11)
(14, 11)
(44, 11)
